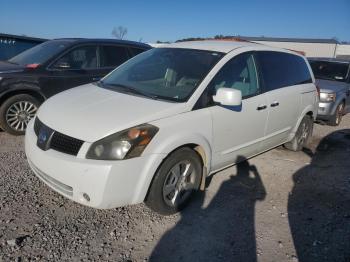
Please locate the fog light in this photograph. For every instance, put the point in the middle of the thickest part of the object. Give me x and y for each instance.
(86, 197)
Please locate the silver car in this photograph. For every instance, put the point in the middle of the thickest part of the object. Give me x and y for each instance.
(333, 78)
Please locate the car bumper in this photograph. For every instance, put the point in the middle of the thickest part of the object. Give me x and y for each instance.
(325, 110)
(95, 183)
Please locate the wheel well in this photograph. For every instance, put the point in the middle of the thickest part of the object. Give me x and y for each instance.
(33, 93)
(310, 113)
(197, 148)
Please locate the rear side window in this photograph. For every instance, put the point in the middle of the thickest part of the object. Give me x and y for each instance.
(282, 69)
(113, 56)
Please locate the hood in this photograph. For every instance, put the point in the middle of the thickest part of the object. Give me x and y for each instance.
(329, 86)
(6, 67)
(90, 112)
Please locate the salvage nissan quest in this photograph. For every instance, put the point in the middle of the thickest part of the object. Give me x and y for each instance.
(158, 125)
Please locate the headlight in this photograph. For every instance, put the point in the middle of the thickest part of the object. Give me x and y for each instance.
(125, 144)
(327, 97)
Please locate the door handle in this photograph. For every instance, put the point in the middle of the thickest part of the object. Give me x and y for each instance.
(275, 104)
(96, 78)
(261, 107)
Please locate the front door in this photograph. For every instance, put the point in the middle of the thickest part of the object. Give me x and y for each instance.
(79, 66)
(238, 131)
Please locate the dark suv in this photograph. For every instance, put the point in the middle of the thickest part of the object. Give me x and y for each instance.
(31, 77)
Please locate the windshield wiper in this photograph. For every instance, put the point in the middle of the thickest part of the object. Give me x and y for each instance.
(131, 90)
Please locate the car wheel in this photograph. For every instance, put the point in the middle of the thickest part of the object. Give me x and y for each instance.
(176, 180)
(338, 115)
(16, 112)
(302, 136)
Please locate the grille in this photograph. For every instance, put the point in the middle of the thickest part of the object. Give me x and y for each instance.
(60, 142)
(65, 144)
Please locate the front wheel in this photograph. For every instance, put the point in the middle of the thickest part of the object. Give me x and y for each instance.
(16, 112)
(175, 182)
(338, 115)
(302, 136)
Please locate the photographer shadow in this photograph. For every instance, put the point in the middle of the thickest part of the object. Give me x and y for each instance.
(319, 203)
(224, 230)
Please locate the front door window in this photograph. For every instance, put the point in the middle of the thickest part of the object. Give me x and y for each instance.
(239, 73)
(80, 58)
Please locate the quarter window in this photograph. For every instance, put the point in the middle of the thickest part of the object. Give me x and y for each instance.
(282, 69)
(239, 73)
(113, 56)
(79, 58)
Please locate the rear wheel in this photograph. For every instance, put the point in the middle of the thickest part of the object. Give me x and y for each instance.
(16, 112)
(338, 115)
(302, 136)
(175, 182)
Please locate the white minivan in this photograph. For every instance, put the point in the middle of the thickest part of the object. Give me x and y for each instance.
(158, 125)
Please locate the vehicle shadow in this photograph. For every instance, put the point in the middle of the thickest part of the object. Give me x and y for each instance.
(224, 230)
(319, 203)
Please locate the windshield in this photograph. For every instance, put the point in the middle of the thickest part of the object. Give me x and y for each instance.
(165, 73)
(330, 70)
(40, 53)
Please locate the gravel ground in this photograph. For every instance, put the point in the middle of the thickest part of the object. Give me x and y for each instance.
(278, 206)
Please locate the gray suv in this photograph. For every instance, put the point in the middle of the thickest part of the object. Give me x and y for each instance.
(333, 78)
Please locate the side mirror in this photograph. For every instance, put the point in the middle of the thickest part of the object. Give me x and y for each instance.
(62, 65)
(228, 97)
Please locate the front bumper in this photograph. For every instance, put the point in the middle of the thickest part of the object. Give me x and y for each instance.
(325, 110)
(108, 184)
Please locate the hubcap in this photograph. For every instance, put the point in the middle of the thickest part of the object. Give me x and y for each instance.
(179, 183)
(19, 114)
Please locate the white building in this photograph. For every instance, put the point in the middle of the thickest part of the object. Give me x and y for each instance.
(343, 51)
(310, 47)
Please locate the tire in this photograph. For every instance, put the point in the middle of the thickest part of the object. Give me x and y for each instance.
(16, 112)
(335, 120)
(302, 136)
(171, 178)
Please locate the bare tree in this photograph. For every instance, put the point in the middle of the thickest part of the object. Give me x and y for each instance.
(119, 32)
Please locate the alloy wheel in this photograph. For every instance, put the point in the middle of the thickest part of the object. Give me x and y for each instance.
(179, 183)
(304, 134)
(19, 114)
